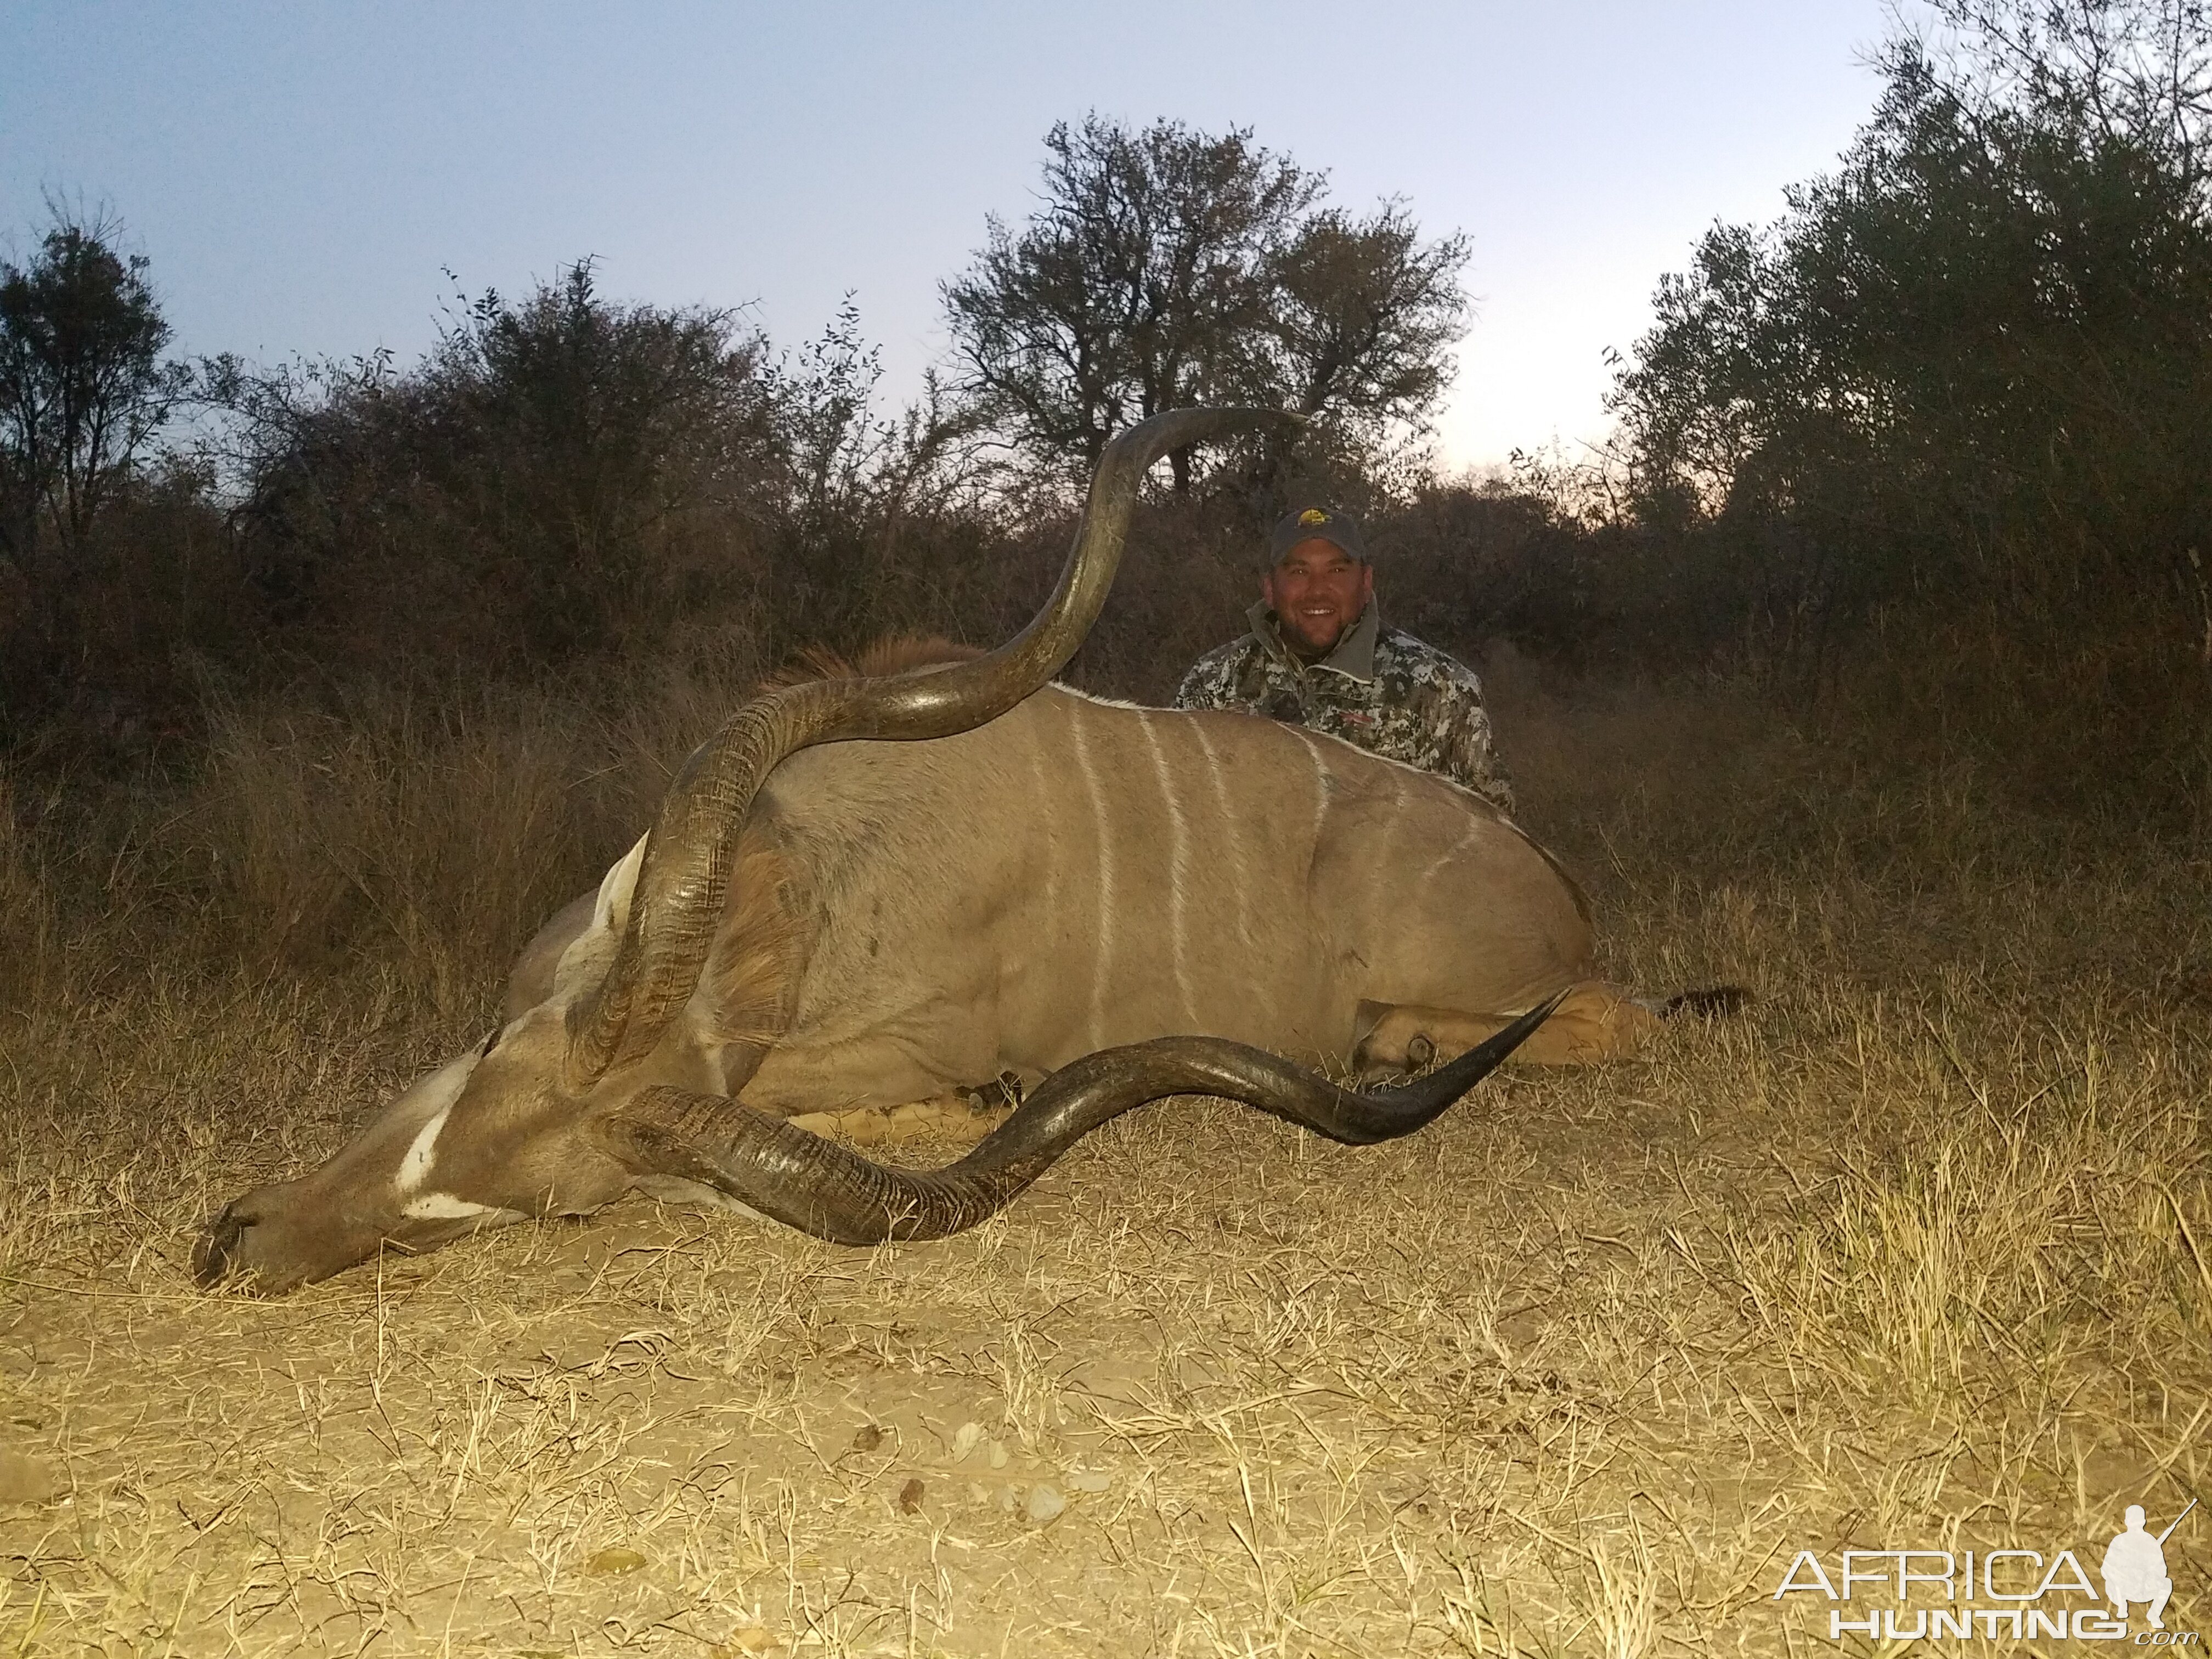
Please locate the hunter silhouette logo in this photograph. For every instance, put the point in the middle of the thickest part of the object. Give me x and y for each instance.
(2135, 1567)
(1915, 1595)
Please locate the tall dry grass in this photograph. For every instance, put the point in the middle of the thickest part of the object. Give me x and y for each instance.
(1912, 1253)
(29, 920)
(424, 827)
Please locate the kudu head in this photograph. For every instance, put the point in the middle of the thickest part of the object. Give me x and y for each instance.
(521, 1127)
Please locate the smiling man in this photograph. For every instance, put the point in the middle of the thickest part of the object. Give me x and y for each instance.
(1318, 656)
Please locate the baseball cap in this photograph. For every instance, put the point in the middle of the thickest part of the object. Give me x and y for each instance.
(1310, 524)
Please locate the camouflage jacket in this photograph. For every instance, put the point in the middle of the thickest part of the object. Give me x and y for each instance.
(1381, 689)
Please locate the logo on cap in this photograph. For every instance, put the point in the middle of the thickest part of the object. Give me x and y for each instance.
(1313, 515)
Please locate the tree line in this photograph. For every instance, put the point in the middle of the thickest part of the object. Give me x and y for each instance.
(565, 477)
(1968, 371)
(1946, 413)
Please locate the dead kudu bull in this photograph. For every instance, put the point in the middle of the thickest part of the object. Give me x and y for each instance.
(867, 889)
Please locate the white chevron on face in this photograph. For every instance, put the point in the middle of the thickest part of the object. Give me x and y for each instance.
(436, 1095)
(444, 1206)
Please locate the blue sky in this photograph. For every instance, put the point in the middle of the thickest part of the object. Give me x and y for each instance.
(300, 174)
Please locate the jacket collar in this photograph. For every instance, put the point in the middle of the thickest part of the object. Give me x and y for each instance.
(1353, 656)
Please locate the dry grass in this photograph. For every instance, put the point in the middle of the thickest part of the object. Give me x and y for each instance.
(1913, 1255)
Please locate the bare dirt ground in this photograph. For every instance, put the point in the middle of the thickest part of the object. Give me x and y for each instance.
(1911, 1256)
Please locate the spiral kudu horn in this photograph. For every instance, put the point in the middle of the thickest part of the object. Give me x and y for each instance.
(681, 887)
(833, 1192)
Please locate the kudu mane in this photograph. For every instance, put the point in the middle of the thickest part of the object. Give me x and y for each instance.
(895, 653)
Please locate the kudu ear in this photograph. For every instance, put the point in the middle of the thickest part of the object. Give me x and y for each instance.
(833, 1192)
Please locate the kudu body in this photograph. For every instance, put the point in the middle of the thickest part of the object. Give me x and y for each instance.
(867, 890)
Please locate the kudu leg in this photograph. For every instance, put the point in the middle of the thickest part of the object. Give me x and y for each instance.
(1597, 1022)
(959, 1115)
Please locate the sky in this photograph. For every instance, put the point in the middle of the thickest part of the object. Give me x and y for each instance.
(301, 176)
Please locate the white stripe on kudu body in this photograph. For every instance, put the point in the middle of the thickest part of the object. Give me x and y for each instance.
(1320, 783)
(1103, 919)
(1460, 846)
(1179, 875)
(1225, 840)
(1041, 789)
(1127, 909)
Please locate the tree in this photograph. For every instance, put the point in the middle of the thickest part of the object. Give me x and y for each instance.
(1360, 319)
(1130, 291)
(567, 477)
(2139, 71)
(1169, 267)
(82, 387)
(540, 471)
(1972, 367)
(590, 424)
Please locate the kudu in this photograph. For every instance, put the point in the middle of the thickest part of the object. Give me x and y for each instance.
(870, 888)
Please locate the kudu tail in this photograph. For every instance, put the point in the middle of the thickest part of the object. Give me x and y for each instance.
(1708, 1002)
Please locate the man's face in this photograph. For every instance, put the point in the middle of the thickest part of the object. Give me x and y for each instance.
(1318, 592)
